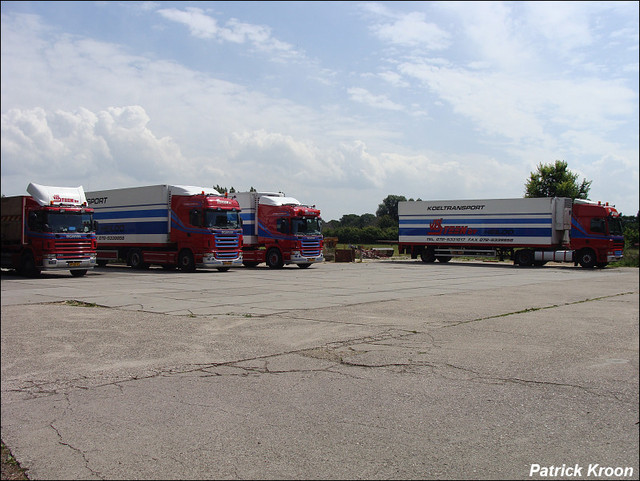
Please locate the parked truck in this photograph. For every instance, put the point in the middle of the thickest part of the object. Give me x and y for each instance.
(279, 230)
(528, 231)
(50, 229)
(168, 225)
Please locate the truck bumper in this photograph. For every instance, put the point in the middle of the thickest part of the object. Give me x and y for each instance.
(614, 256)
(297, 258)
(210, 260)
(53, 263)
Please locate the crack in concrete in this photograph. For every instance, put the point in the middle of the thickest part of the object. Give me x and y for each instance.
(534, 309)
(79, 451)
(533, 382)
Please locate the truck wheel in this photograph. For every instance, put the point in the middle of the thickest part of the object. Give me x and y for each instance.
(185, 261)
(587, 258)
(78, 272)
(428, 255)
(250, 264)
(443, 258)
(28, 265)
(274, 259)
(101, 263)
(303, 266)
(223, 269)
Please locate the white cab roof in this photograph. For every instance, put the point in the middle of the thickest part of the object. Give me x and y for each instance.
(192, 190)
(48, 195)
(269, 200)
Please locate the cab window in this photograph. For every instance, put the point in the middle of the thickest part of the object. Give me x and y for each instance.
(283, 226)
(598, 225)
(195, 218)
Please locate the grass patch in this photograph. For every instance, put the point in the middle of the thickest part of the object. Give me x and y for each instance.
(80, 303)
(630, 259)
(11, 469)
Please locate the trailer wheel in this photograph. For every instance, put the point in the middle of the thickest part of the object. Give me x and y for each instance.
(135, 259)
(428, 255)
(78, 272)
(185, 261)
(524, 258)
(274, 258)
(587, 258)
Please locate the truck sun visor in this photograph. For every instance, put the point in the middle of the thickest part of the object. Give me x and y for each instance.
(46, 195)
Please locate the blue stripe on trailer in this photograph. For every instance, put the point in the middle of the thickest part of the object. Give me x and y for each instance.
(481, 232)
(129, 214)
(462, 221)
(124, 228)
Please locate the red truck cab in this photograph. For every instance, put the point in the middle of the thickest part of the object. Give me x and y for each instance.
(53, 229)
(279, 230)
(596, 233)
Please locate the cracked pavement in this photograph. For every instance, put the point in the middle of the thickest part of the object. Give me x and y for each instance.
(374, 370)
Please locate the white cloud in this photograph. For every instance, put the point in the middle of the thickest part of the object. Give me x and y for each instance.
(204, 26)
(200, 25)
(84, 147)
(413, 30)
(363, 96)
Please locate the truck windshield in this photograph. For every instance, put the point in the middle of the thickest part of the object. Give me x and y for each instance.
(615, 226)
(222, 219)
(61, 222)
(306, 226)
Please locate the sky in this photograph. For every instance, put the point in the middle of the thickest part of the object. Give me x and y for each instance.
(338, 104)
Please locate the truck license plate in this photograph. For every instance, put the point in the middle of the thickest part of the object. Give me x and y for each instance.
(226, 263)
(74, 264)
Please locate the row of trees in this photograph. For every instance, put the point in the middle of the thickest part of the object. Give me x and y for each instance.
(549, 180)
(368, 228)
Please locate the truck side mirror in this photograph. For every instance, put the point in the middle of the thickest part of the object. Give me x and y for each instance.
(95, 226)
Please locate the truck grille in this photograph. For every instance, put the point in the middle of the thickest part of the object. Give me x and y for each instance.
(311, 247)
(73, 248)
(227, 246)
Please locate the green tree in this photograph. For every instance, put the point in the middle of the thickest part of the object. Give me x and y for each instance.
(630, 226)
(389, 206)
(555, 180)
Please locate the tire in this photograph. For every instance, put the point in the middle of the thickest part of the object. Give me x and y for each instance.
(101, 263)
(185, 261)
(78, 272)
(587, 258)
(303, 266)
(28, 265)
(428, 255)
(443, 258)
(135, 259)
(274, 259)
(250, 264)
(525, 258)
(223, 269)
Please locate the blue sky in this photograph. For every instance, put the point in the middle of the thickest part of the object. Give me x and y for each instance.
(337, 104)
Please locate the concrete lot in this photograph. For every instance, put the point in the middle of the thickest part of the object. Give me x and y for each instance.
(376, 370)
